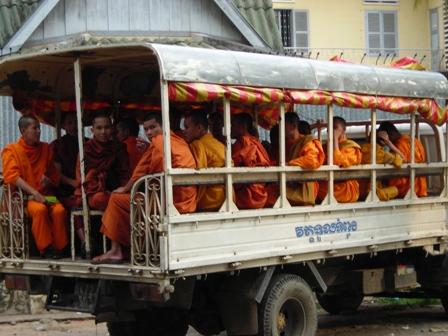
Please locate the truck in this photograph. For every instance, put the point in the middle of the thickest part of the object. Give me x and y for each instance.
(249, 272)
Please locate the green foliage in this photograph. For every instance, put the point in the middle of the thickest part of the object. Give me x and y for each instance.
(408, 302)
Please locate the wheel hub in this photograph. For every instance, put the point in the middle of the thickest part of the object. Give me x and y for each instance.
(281, 321)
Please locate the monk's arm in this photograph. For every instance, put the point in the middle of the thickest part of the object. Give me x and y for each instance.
(346, 157)
(395, 150)
(65, 179)
(311, 157)
(198, 151)
(22, 184)
(123, 168)
(125, 189)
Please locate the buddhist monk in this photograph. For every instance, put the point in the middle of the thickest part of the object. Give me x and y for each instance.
(272, 147)
(66, 150)
(215, 127)
(403, 144)
(304, 127)
(305, 152)
(106, 164)
(247, 151)
(126, 130)
(394, 157)
(346, 153)
(208, 153)
(28, 164)
(116, 219)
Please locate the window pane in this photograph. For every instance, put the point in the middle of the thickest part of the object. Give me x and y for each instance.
(301, 21)
(389, 42)
(302, 41)
(389, 22)
(373, 22)
(374, 44)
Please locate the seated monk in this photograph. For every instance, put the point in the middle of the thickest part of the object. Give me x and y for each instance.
(403, 144)
(304, 127)
(394, 157)
(346, 153)
(306, 152)
(215, 126)
(106, 164)
(116, 219)
(272, 147)
(247, 151)
(126, 130)
(28, 164)
(66, 150)
(208, 153)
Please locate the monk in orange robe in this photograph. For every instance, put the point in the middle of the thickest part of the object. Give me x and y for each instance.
(126, 130)
(106, 162)
(28, 164)
(403, 144)
(175, 120)
(346, 153)
(247, 151)
(208, 153)
(394, 157)
(272, 147)
(66, 150)
(215, 126)
(305, 151)
(116, 219)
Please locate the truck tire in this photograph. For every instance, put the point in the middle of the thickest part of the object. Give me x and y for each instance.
(287, 308)
(334, 304)
(158, 322)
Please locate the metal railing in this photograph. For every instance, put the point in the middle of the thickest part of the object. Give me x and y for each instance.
(431, 59)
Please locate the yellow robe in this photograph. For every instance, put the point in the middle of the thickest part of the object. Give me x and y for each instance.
(209, 153)
(384, 193)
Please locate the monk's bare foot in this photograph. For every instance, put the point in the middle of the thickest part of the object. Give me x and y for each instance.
(109, 256)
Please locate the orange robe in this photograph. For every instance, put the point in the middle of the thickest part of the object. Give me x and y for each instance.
(247, 151)
(30, 163)
(102, 161)
(348, 154)
(134, 154)
(116, 219)
(403, 144)
(384, 193)
(209, 153)
(305, 152)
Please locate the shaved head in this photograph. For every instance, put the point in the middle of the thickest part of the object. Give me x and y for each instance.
(25, 121)
(100, 116)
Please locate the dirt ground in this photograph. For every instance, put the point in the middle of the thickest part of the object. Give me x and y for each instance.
(372, 319)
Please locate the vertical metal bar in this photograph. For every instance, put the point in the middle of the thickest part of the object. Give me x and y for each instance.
(171, 210)
(445, 191)
(282, 158)
(79, 114)
(372, 195)
(229, 177)
(412, 177)
(330, 175)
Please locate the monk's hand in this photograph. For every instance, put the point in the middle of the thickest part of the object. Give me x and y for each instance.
(142, 145)
(120, 190)
(44, 181)
(38, 197)
(384, 138)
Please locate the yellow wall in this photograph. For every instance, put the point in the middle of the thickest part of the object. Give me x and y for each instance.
(341, 23)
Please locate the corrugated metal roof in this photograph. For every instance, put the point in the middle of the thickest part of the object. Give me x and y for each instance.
(13, 13)
(260, 14)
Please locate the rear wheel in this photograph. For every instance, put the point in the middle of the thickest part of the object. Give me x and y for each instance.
(287, 308)
(334, 304)
(158, 322)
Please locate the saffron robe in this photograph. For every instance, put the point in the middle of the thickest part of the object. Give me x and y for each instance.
(134, 154)
(403, 144)
(383, 192)
(116, 218)
(305, 152)
(30, 163)
(349, 154)
(101, 158)
(209, 153)
(247, 151)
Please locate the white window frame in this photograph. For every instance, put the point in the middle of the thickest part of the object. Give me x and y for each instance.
(382, 2)
(381, 33)
(305, 50)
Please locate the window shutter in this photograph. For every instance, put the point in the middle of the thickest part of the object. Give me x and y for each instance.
(390, 35)
(373, 33)
(301, 38)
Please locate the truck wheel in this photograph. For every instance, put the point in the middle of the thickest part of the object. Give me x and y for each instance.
(334, 304)
(162, 322)
(122, 328)
(287, 308)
